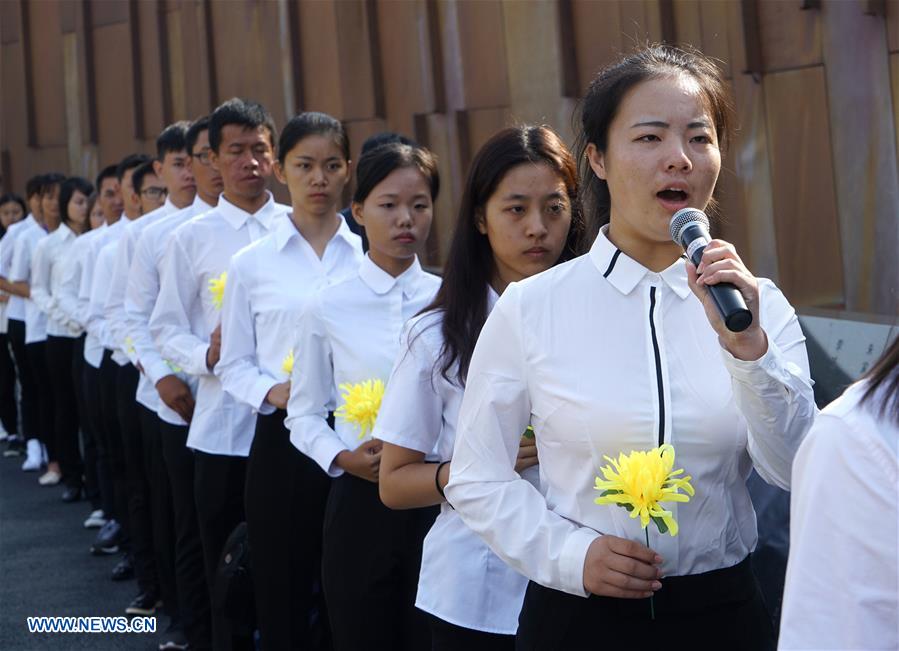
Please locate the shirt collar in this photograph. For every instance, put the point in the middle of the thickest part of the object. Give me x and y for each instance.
(287, 230)
(625, 273)
(492, 298)
(199, 206)
(65, 231)
(237, 217)
(381, 282)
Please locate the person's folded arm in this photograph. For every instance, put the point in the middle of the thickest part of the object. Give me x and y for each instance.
(493, 500)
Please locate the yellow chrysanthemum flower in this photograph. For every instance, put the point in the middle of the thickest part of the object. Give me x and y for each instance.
(129, 345)
(361, 403)
(217, 289)
(287, 364)
(640, 481)
(174, 367)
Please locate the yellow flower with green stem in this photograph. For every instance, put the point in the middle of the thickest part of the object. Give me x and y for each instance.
(640, 482)
(217, 289)
(361, 402)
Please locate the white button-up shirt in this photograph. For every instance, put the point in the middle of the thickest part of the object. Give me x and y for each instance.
(140, 298)
(50, 266)
(349, 332)
(22, 271)
(842, 586)
(185, 316)
(603, 356)
(461, 580)
(99, 319)
(15, 308)
(269, 283)
(93, 347)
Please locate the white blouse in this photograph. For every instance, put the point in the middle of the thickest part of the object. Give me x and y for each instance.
(269, 283)
(93, 347)
(842, 587)
(350, 332)
(461, 580)
(15, 308)
(23, 271)
(186, 314)
(603, 356)
(51, 265)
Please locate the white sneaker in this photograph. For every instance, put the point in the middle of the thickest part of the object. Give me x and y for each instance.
(49, 478)
(95, 520)
(33, 458)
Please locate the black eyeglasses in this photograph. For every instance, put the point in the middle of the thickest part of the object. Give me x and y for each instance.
(203, 156)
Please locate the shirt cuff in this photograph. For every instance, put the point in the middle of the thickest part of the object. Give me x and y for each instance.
(157, 370)
(572, 558)
(198, 361)
(261, 386)
(324, 452)
(772, 366)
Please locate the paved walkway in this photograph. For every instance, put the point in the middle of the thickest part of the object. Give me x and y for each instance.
(46, 569)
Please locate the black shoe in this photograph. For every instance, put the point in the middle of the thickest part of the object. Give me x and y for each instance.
(109, 539)
(124, 569)
(173, 640)
(144, 604)
(15, 447)
(71, 494)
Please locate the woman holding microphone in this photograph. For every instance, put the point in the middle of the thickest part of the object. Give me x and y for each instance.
(622, 349)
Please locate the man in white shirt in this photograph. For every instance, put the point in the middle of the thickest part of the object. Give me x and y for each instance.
(148, 498)
(74, 305)
(36, 325)
(186, 322)
(15, 312)
(95, 279)
(165, 391)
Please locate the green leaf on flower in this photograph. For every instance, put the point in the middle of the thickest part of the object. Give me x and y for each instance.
(660, 523)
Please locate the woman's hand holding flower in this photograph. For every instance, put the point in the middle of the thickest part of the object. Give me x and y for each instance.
(616, 567)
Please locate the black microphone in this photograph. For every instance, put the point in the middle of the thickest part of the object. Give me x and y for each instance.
(689, 228)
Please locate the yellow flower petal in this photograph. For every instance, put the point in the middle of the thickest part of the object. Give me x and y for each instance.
(640, 481)
(361, 403)
(287, 364)
(217, 289)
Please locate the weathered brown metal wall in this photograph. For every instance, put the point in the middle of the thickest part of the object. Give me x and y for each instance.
(810, 194)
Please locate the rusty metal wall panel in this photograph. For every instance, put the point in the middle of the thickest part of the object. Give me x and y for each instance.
(892, 18)
(45, 44)
(320, 57)
(113, 74)
(865, 176)
(791, 36)
(481, 54)
(808, 238)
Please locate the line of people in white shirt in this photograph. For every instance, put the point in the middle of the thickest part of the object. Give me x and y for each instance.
(407, 480)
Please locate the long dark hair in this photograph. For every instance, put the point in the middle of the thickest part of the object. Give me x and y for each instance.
(462, 297)
(607, 90)
(884, 375)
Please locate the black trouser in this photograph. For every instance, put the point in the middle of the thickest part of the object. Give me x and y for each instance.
(60, 351)
(190, 574)
(86, 424)
(37, 357)
(110, 453)
(136, 488)
(27, 381)
(371, 560)
(9, 407)
(285, 502)
(160, 502)
(219, 482)
(449, 637)
(97, 474)
(722, 609)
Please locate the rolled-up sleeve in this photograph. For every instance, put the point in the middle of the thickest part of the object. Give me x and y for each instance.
(310, 393)
(774, 393)
(493, 500)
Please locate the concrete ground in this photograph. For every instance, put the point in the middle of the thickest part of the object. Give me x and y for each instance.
(46, 569)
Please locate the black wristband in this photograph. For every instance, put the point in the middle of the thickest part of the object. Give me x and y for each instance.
(437, 479)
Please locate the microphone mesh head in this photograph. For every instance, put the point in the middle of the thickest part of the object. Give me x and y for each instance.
(685, 216)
